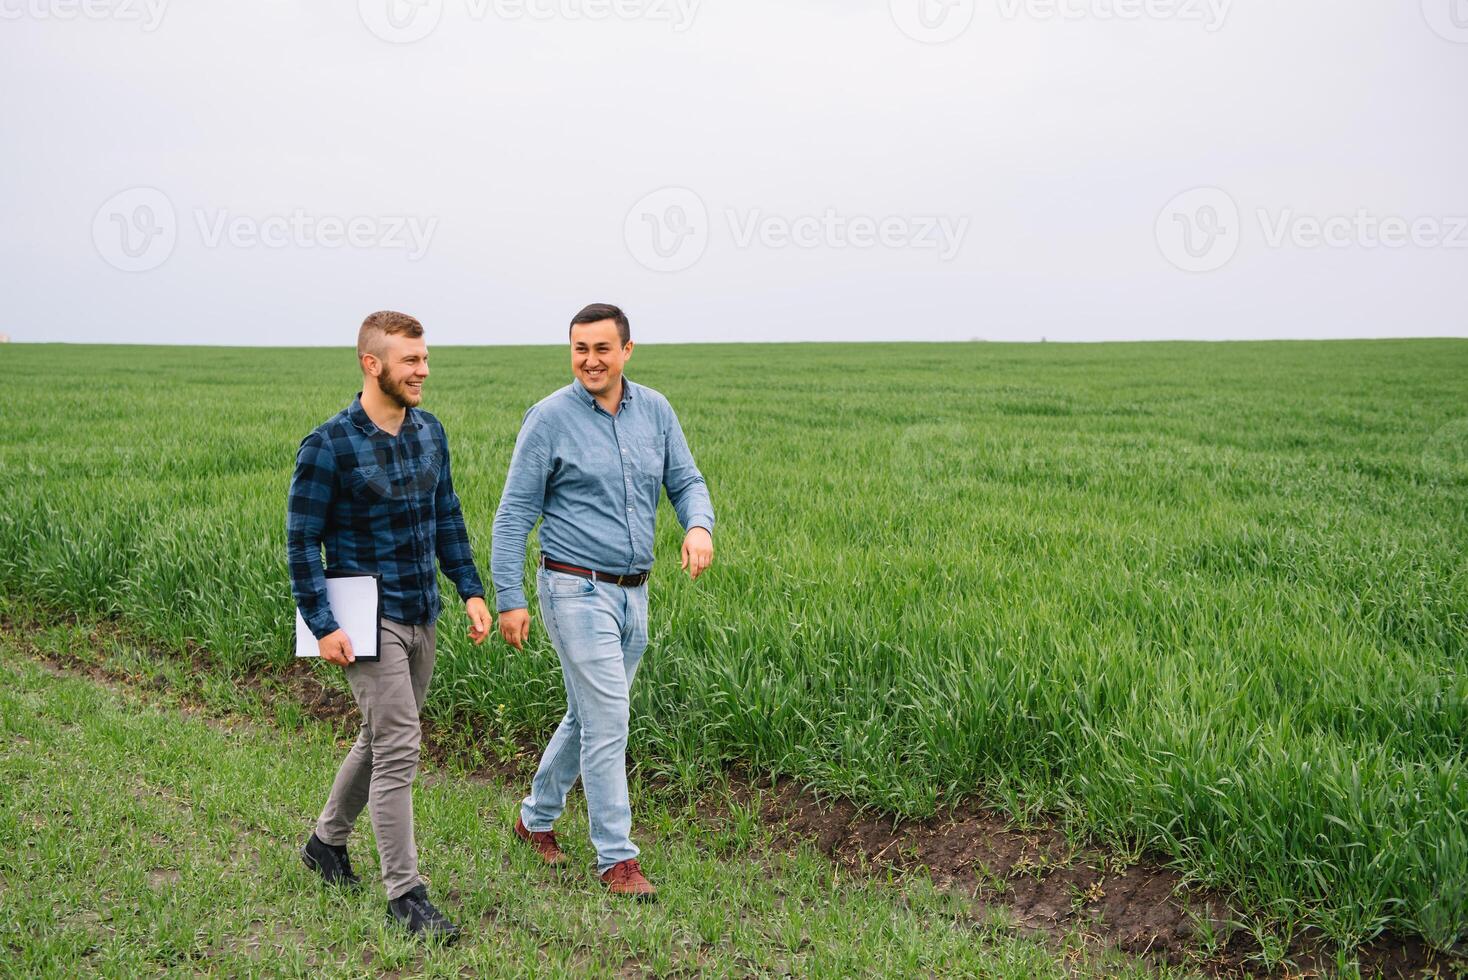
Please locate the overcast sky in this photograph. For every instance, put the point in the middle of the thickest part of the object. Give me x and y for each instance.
(268, 172)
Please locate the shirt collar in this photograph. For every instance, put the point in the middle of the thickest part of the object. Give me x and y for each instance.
(363, 421)
(589, 399)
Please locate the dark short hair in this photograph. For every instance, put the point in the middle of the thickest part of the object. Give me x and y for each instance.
(597, 312)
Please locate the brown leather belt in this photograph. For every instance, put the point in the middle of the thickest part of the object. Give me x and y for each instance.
(626, 581)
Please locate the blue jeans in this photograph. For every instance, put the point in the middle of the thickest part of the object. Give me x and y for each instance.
(599, 631)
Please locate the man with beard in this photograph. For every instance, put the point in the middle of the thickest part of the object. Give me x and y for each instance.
(592, 461)
(372, 486)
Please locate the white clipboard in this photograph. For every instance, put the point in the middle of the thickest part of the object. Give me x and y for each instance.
(356, 602)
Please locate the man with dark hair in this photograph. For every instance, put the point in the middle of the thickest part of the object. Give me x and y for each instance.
(597, 312)
(591, 461)
(372, 485)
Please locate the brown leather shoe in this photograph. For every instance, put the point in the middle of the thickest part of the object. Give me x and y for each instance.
(627, 879)
(544, 842)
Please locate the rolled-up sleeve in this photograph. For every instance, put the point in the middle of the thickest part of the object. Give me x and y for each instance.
(307, 506)
(687, 490)
(519, 509)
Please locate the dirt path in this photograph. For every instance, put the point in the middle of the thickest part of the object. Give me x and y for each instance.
(1031, 877)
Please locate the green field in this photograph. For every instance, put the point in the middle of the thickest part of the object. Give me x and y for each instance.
(1210, 600)
(138, 839)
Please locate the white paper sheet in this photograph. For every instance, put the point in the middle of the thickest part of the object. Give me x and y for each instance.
(354, 603)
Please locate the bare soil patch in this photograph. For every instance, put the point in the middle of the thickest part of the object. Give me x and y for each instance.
(1143, 908)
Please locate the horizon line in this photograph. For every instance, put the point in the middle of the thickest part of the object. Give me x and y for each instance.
(1043, 341)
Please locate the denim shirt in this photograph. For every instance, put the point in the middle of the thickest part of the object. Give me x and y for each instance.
(595, 479)
(380, 504)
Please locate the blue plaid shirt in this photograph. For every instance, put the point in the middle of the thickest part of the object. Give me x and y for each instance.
(380, 504)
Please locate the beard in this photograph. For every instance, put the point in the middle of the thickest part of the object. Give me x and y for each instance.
(396, 391)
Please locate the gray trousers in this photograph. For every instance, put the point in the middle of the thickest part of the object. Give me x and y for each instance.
(379, 771)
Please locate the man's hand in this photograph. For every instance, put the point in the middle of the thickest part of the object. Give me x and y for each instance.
(515, 627)
(337, 649)
(479, 619)
(698, 551)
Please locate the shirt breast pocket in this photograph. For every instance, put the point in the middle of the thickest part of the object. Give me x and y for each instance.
(369, 483)
(417, 478)
(650, 458)
(422, 476)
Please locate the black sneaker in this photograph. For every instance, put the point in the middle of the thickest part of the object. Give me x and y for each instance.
(415, 913)
(330, 861)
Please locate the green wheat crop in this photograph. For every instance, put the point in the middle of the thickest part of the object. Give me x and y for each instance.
(1206, 599)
